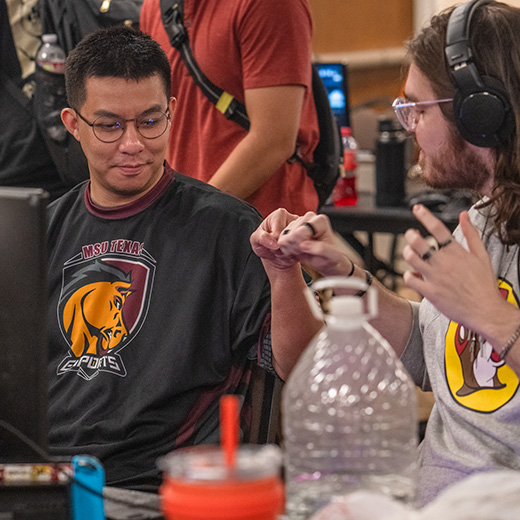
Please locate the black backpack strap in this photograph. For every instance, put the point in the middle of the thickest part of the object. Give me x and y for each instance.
(172, 14)
(15, 91)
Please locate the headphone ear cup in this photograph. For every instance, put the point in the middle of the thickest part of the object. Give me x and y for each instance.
(483, 117)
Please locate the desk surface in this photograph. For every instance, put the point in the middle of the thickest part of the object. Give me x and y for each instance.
(366, 216)
(126, 504)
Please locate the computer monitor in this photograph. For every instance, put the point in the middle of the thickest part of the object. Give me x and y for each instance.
(23, 315)
(335, 79)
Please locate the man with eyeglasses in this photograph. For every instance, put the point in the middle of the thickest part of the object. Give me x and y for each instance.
(463, 340)
(157, 304)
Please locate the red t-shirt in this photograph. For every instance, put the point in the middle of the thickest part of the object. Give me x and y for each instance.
(239, 44)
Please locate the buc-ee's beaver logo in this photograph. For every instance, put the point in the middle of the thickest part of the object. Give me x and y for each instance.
(477, 379)
(102, 306)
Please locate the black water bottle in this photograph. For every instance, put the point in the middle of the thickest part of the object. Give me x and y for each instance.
(390, 163)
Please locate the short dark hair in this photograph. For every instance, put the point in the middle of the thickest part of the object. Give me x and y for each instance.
(114, 52)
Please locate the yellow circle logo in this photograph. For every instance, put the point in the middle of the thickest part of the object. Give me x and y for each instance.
(477, 379)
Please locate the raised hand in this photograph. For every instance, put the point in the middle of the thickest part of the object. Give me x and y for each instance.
(284, 239)
(460, 282)
(264, 240)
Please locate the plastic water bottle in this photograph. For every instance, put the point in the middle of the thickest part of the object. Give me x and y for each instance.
(349, 411)
(345, 191)
(51, 57)
(49, 93)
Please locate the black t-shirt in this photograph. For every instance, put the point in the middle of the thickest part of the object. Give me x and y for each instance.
(156, 309)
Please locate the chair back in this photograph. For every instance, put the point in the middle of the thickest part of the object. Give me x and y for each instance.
(264, 398)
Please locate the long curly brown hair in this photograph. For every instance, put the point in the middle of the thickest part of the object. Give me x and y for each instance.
(495, 41)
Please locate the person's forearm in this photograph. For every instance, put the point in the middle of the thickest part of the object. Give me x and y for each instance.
(293, 324)
(394, 313)
(395, 318)
(274, 113)
(499, 327)
(250, 165)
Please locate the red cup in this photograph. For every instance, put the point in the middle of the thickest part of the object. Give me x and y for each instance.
(197, 484)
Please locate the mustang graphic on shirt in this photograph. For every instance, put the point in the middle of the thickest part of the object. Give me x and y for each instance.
(102, 306)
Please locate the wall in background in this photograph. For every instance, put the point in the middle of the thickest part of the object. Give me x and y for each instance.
(369, 36)
(424, 9)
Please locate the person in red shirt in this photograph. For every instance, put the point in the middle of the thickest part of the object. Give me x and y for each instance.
(260, 52)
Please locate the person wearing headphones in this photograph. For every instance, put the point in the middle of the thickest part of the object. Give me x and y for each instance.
(463, 340)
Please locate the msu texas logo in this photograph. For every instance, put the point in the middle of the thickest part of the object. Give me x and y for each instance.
(102, 306)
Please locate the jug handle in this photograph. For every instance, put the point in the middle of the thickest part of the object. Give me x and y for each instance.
(343, 282)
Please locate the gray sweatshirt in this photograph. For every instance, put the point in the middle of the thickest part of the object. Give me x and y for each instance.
(475, 423)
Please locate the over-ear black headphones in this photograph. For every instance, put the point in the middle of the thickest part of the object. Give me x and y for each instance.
(481, 106)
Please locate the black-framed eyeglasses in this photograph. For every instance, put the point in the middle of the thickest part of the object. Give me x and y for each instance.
(109, 129)
(407, 111)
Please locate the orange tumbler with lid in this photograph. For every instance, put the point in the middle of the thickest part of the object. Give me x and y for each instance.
(199, 485)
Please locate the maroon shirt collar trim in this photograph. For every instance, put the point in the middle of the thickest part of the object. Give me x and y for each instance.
(128, 210)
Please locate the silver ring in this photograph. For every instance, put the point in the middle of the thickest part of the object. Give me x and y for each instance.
(429, 253)
(311, 227)
(445, 243)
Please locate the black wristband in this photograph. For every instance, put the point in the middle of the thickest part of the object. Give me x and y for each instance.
(368, 280)
(352, 270)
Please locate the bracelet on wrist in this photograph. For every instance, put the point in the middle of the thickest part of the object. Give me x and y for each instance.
(510, 343)
(351, 270)
(368, 280)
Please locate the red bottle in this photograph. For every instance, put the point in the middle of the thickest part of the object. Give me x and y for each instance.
(345, 192)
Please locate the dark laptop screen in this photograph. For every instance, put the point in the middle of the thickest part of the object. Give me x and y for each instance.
(23, 314)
